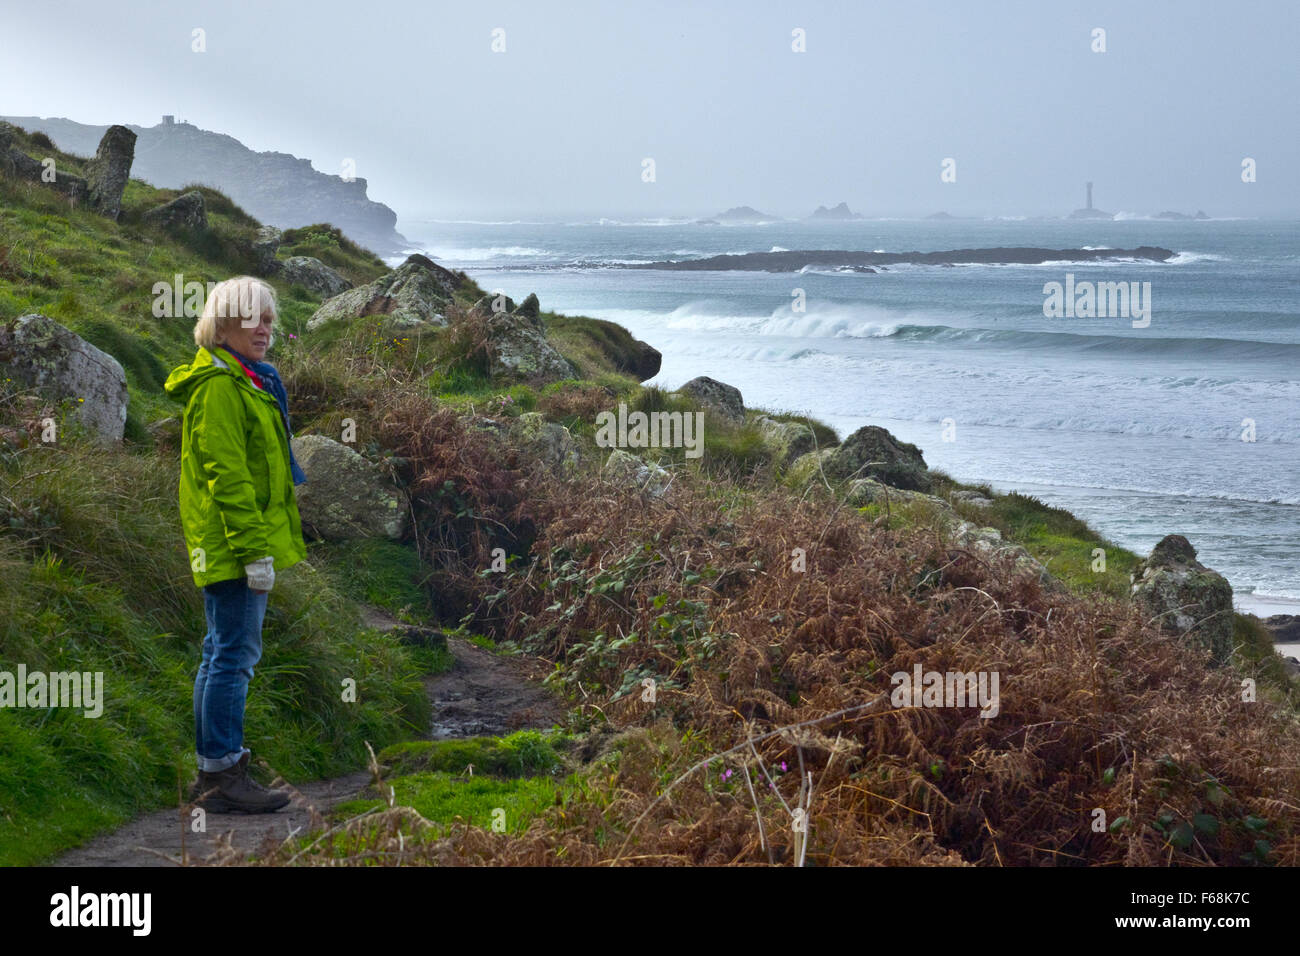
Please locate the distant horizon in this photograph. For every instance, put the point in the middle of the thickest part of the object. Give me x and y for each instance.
(590, 110)
(650, 215)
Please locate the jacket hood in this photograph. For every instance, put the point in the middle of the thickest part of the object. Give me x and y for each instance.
(207, 363)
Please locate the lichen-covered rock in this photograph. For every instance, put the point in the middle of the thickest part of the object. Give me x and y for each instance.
(1185, 597)
(865, 491)
(550, 441)
(38, 352)
(973, 498)
(108, 172)
(788, 440)
(988, 541)
(313, 275)
(416, 292)
(518, 351)
(716, 396)
(530, 308)
(346, 496)
(630, 470)
(494, 303)
(186, 211)
(873, 452)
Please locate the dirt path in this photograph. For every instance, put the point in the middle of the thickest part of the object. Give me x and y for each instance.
(482, 694)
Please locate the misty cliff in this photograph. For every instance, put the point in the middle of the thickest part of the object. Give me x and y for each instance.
(277, 188)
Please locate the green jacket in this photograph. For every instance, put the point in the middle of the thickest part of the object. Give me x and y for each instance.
(236, 491)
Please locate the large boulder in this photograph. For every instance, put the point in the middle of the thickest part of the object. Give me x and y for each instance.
(518, 351)
(873, 452)
(40, 353)
(1185, 597)
(108, 172)
(346, 496)
(549, 441)
(313, 275)
(186, 211)
(642, 360)
(1284, 627)
(719, 397)
(415, 293)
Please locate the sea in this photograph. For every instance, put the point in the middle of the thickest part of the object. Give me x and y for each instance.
(1188, 423)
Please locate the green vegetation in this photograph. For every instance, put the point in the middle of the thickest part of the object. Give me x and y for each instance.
(696, 595)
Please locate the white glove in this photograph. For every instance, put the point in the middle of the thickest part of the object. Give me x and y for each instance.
(261, 574)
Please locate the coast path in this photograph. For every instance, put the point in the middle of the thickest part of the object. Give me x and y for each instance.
(482, 694)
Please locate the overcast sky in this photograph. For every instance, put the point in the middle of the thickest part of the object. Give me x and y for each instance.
(558, 125)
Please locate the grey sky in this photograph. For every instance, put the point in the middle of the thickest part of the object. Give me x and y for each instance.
(558, 124)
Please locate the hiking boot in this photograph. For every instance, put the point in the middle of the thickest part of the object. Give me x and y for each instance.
(234, 791)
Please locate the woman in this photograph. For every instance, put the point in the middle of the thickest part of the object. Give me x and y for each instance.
(240, 520)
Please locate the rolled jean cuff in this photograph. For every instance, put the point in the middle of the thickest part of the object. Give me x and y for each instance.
(218, 764)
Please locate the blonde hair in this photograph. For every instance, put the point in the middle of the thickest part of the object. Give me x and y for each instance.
(243, 297)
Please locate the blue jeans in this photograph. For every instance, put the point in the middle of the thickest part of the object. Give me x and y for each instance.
(232, 646)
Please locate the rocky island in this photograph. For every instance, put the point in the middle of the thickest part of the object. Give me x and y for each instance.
(794, 260)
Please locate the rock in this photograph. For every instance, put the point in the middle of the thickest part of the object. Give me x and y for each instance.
(864, 491)
(840, 212)
(17, 164)
(530, 308)
(1292, 666)
(718, 396)
(313, 275)
(416, 292)
(971, 498)
(518, 351)
(40, 353)
(186, 211)
(1285, 628)
(788, 440)
(988, 541)
(630, 470)
(871, 451)
(807, 468)
(346, 496)
(1185, 597)
(108, 172)
(643, 361)
(265, 247)
(552, 442)
(494, 303)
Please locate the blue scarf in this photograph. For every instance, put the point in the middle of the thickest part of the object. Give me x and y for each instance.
(266, 371)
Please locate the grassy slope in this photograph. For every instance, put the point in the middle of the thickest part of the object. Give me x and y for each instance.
(94, 569)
